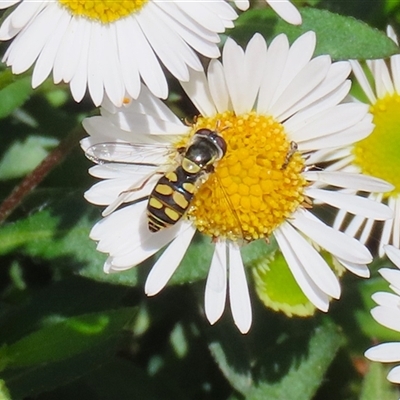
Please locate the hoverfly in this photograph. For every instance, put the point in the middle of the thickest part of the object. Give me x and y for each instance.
(173, 193)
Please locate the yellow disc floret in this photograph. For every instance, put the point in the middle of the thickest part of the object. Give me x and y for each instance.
(104, 11)
(378, 154)
(257, 184)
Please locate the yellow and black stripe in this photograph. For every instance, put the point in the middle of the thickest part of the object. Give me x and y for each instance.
(171, 198)
(173, 193)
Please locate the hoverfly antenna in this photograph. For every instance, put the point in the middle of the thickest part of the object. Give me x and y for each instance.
(218, 126)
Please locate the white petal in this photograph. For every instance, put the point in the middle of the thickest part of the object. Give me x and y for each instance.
(349, 180)
(166, 265)
(149, 67)
(95, 64)
(277, 55)
(390, 318)
(254, 68)
(217, 86)
(79, 80)
(327, 94)
(313, 73)
(385, 352)
(157, 39)
(113, 83)
(387, 228)
(337, 243)
(353, 204)
(394, 254)
(134, 253)
(24, 52)
(202, 15)
(244, 72)
(286, 10)
(215, 293)
(8, 3)
(396, 228)
(298, 58)
(394, 375)
(309, 288)
(383, 82)
(314, 265)
(197, 90)
(234, 69)
(242, 4)
(391, 275)
(333, 120)
(238, 290)
(385, 299)
(360, 270)
(363, 81)
(346, 137)
(67, 58)
(127, 60)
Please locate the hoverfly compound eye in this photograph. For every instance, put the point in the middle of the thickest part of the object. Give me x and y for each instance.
(204, 132)
(220, 142)
(214, 137)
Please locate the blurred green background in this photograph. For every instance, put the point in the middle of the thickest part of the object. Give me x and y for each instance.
(68, 331)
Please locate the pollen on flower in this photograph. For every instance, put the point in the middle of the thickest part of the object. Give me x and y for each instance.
(255, 186)
(378, 155)
(104, 11)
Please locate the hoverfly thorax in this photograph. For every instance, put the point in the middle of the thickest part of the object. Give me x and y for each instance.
(174, 192)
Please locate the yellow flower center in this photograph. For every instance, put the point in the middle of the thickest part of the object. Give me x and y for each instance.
(104, 11)
(256, 186)
(378, 154)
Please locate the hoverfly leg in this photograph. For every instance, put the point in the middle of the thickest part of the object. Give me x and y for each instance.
(122, 197)
(292, 149)
(214, 240)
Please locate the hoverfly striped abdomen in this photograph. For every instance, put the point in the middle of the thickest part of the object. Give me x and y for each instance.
(174, 191)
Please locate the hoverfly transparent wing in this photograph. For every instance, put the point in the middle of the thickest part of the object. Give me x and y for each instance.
(139, 159)
(141, 154)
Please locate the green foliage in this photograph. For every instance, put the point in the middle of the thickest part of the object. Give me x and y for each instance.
(64, 339)
(275, 368)
(376, 386)
(341, 37)
(14, 92)
(32, 151)
(70, 331)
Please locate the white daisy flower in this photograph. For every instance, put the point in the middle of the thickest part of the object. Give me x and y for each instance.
(110, 46)
(376, 155)
(273, 108)
(284, 8)
(387, 313)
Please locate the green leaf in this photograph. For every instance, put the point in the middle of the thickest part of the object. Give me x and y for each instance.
(122, 379)
(391, 5)
(32, 151)
(14, 91)
(341, 37)
(69, 297)
(196, 262)
(27, 382)
(64, 339)
(61, 232)
(282, 360)
(367, 324)
(53, 305)
(4, 393)
(376, 386)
